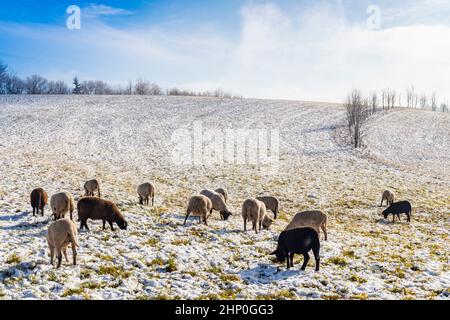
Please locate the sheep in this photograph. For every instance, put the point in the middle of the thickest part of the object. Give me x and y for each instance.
(99, 209)
(146, 191)
(60, 234)
(271, 203)
(313, 219)
(199, 206)
(218, 203)
(298, 241)
(223, 192)
(39, 199)
(397, 208)
(61, 203)
(255, 211)
(90, 187)
(389, 196)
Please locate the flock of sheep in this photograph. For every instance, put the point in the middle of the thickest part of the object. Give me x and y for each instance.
(299, 237)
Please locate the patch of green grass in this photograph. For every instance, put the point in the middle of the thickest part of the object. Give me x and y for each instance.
(93, 285)
(85, 274)
(229, 278)
(349, 254)
(356, 278)
(156, 262)
(171, 265)
(280, 295)
(228, 294)
(53, 277)
(331, 297)
(181, 242)
(161, 297)
(362, 296)
(13, 259)
(192, 273)
(114, 271)
(152, 242)
(105, 257)
(79, 291)
(340, 261)
(215, 270)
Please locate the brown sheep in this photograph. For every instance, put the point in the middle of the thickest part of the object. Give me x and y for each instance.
(39, 199)
(99, 209)
(271, 203)
(218, 203)
(90, 187)
(255, 211)
(146, 191)
(61, 203)
(389, 196)
(223, 192)
(60, 234)
(199, 206)
(313, 219)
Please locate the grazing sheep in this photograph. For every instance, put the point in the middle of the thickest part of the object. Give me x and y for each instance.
(313, 219)
(61, 203)
(224, 193)
(60, 234)
(146, 191)
(218, 203)
(255, 211)
(39, 199)
(389, 196)
(271, 203)
(397, 208)
(199, 206)
(90, 187)
(298, 241)
(99, 209)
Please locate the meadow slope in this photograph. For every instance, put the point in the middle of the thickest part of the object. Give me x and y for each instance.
(59, 142)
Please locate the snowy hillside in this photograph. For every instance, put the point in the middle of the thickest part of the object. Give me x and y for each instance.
(60, 142)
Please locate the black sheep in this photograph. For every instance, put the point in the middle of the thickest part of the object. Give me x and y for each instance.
(298, 241)
(397, 208)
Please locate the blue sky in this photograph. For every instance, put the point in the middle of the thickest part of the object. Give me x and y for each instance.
(303, 49)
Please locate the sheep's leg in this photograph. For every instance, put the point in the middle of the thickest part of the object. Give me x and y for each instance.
(291, 258)
(111, 225)
(71, 215)
(59, 256)
(288, 262)
(104, 224)
(52, 254)
(42, 210)
(185, 219)
(245, 225)
(141, 201)
(305, 261)
(199, 220)
(33, 211)
(74, 253)
(382, 199)
(324, 229)
(316, 252)
(64, 250)
(398, 216)
(153, 201)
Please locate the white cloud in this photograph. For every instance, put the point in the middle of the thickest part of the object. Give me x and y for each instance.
(317, 55)
(96, 10)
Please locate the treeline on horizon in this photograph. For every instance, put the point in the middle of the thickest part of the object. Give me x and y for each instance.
(36, 84)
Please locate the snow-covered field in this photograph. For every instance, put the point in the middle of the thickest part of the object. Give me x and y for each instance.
(60, 142)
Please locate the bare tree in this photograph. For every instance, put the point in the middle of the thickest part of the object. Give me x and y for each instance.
(444, 107)
(57, 87)
(14, 85)
(434, 105)
(357, 113)
(3, 77)
(374, 102)
(36, 84)
(142, 87)
(76, 86)
(423, 101)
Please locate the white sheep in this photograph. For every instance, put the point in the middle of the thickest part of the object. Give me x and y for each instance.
(61, 203)
(60, 234)
(90, 187)
(313, 219)
(199, 206)
(146, 191)
(218, 203)
(271, 203)
(389, 196)
(223, 192)
(255, 211)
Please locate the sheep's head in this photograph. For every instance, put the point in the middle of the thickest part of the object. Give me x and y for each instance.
(267, 222)
(122, 223)
(386, 213)
(280, 254)
(226, 215)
